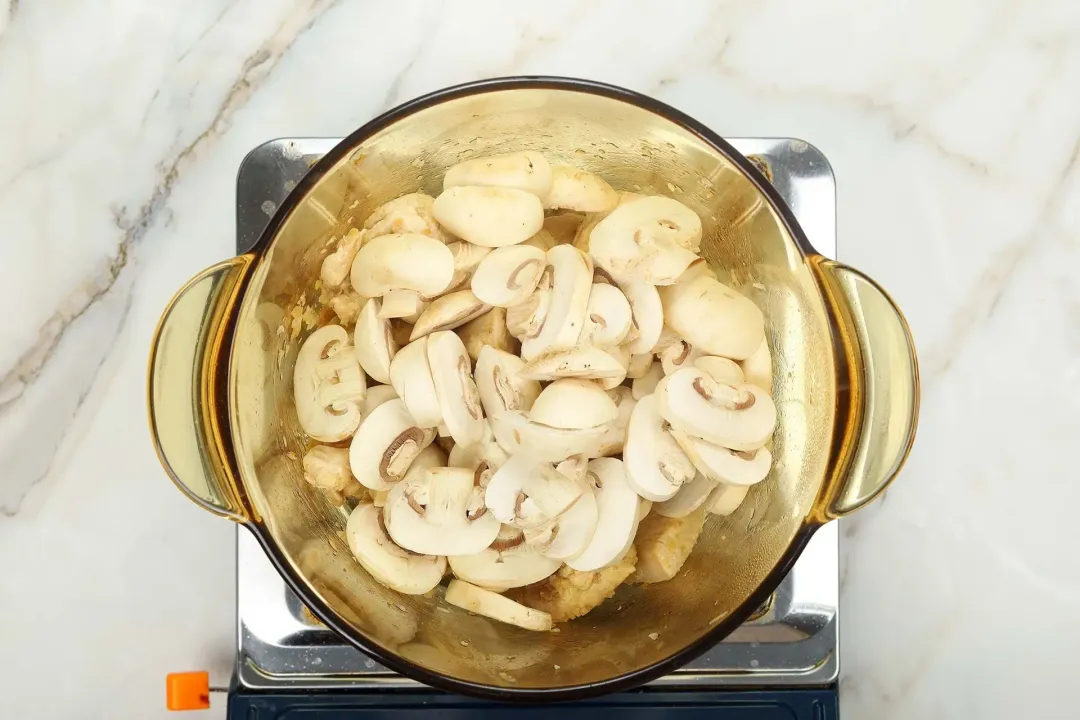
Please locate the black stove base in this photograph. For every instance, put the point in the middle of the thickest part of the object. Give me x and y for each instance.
(802, 704)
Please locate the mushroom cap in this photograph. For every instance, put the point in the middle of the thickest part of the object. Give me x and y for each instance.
(735, 328)
(622, 355)
(639, 365)
(758, 367)
(608, 317)
(484, 602)
(401, 304)
(407, 262)
(517, 434)
(526, 491)
(407, 214)
(376, 396)
(729, 467)
(655, 466)
(583, 361)
(410, 375)
(392, 566)
(489, 216)
(328, 385)
(571, 283)
(720, 369)
(385, 445)
(617, 507)
(527, 170)
(570, 404)
(649, 238)
(678, 355)
(433, 515)
(690, 497)
(580, 190)
(739, 416)
(459, 400)
(527, 318)
(448, 312)
(467, 256)
(646, 384)
(648, 314)
(615, 438)
(726, 499)
(499, 381)
(508, 275)
(500, 570)
(374, 343)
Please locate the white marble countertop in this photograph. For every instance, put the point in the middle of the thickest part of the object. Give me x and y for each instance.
(954, 132)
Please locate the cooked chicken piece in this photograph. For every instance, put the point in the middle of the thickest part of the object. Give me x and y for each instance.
(663, 545)
(327, 468)
(570, 593)
(347, 306)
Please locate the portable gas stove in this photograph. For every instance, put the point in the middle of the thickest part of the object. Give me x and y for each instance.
(783, 663)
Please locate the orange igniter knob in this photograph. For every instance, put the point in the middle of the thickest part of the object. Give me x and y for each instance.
(187, 690)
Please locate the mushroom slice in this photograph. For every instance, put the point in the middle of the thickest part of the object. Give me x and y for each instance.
(385, 445)
(508, 275)
(459, 400)
(430, 457)
(523, 478)
(572, 531)
(690, 497)
(517, 434)
(643, 509)
(571, 404)
(569, 594)
(579, 190)
(402, 262)
(401, 304)
(730, 467)
(410, 213)
(376, 396)
(484, 602)
(736, 326)
(720, 369)
(528, 171)
(726, 499)
(410, 374)
(648, 314)
(500, 570)
(328, 385)
(678, 355)
(483, 458)
(646, 384)
(622, 355)
(571, 282)
(467, 256)
(336, 266)
(639, 365)
(489, 216)
(663, 544)
(652, 239)
(655, 466)
(389, 564)
(448, 312)
(527, 318)
(584, 361)
(488, 329)
(501, 386)
(739, 416)
(615, 438)
(617, 506)
(608, 317)
(374, 343)
(327, 468)
(440, 514)
(758, 367)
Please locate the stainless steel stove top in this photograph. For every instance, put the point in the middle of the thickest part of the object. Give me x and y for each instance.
(793, 640)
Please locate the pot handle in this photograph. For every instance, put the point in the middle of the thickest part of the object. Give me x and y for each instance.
(187, 391)
(881, 385)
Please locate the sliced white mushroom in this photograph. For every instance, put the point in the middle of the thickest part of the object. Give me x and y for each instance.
(508, 275)
(528, 171)
(617, 506)
(488, 329)
(525, 483)
(643, 509)
(448, 312)
(615, 438)
(500, 570)
(483, 458)
(347, 306)
(736, 326)
(608, 317)
(655, 465)
(678, 355)
(639, 365)
(376, 396)
(392, 566)
(648, 314)
(328, 385)
(526, 319)
(690, 497)
(374, 343)
(443, 513)
(571, 282)
(402, 262)
(571, 404)
(467, 256)
(501, 386)
(646, 384)
(385, 445)
(622, 355)
(336, 266)
(584, 361)
(489, 216)
(489, 604)
(580, 190)
(730, 467)
(663, 545)
(739, 416)
(726, 499)
(652, 239)
(327, 468)
(410, 374)
(572, 531)
(401, 304)
(459, 400)
(410, 213)
(720, 369)
(696, 268)
(758, 367)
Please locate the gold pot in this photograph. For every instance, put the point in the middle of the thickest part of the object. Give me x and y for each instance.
(846, 387)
